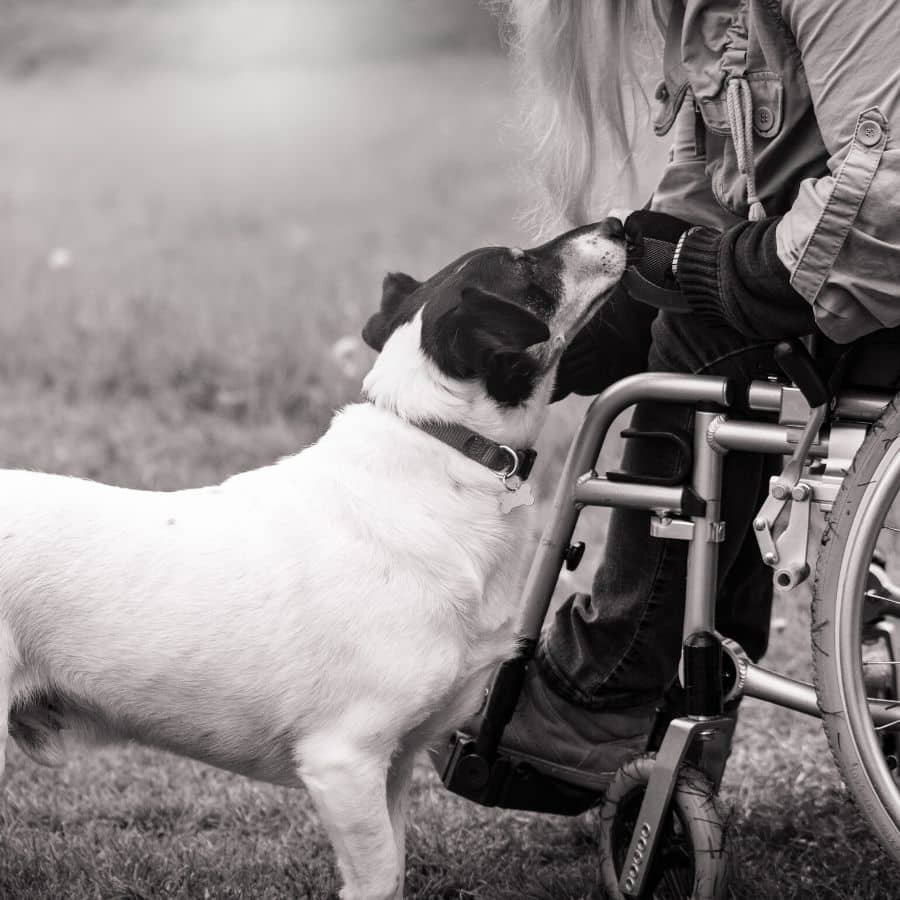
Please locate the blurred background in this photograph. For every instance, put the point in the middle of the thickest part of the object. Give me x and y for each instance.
(199, 199)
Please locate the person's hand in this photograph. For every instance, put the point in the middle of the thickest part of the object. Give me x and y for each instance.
(657, 226)
(655, 237)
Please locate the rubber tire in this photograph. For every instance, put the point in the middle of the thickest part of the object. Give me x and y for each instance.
(825, 628)
(695, 803)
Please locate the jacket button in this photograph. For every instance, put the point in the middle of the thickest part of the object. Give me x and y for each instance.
(763, 118)
(662, 92)
(869, 132)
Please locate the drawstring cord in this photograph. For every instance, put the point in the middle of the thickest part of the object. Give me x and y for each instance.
(740, 117)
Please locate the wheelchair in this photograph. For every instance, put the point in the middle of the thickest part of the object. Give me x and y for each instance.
(662, 833)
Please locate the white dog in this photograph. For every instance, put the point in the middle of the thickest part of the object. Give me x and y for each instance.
(322, 619)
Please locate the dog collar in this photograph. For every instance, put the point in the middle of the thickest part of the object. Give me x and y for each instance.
(512, 465)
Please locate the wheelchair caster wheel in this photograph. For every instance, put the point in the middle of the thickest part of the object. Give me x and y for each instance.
(691, 860)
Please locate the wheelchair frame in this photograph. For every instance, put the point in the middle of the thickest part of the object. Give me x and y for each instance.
(713, 669)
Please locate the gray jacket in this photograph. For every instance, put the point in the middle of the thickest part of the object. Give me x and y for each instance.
(786, 107)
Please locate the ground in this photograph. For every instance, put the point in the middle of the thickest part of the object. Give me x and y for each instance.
(195, 209)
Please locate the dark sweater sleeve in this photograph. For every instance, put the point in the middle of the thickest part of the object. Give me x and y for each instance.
(736, 277)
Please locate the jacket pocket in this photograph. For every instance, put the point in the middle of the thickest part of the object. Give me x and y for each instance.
(687, 134)
(667, 101)
(767, 90)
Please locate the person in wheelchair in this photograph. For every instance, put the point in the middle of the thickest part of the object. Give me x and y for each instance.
(778, 215)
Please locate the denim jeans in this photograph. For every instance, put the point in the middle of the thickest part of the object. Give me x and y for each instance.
(620, 646)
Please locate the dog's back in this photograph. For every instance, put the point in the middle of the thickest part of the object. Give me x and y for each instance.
(176, 618)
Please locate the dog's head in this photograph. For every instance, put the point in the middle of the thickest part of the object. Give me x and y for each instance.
(487, 331)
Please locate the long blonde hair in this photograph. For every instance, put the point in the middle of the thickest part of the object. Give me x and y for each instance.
(577, 70)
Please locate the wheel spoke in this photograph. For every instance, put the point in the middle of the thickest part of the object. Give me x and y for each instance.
(871, 595)
(674, 882)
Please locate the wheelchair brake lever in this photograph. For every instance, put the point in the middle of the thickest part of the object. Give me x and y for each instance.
(796, 362)
(787, 554)
(794, 468)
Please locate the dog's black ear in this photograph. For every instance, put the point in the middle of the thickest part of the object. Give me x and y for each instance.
(375, 332)
(395, 288)
(498, 325)
(485, 336)
(478, 334)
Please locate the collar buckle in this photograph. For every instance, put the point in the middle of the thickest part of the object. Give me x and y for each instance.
(512, 481)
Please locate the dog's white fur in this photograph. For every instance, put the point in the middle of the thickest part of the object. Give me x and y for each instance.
(319, 620)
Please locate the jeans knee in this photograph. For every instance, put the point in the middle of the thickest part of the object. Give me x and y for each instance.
(687, 344)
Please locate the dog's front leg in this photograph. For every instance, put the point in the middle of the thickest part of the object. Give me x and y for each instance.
(398, 784)
(348, 786)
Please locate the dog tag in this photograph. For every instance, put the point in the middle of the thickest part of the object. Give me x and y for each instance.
(521, 496)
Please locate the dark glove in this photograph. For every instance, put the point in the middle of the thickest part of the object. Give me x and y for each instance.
(649, 279)
(645, 226)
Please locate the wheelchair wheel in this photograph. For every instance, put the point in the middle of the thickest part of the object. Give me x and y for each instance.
(855, 609)
(691, 859)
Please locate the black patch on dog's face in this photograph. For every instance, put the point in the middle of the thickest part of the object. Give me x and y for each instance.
(479, 316)
(482, 335)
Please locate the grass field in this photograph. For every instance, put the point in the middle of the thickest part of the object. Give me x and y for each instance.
(187, 231)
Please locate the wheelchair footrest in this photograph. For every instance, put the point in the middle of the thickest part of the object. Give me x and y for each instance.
(510, 782)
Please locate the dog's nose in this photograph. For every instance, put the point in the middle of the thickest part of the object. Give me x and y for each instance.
(612, 228)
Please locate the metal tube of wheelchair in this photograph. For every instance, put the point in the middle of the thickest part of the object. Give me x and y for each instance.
(767, 685)
(800, 696)
(582, 458)
(600, 491)
(862, 406)
(703, 552)
(703, 674)
(761, 437)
